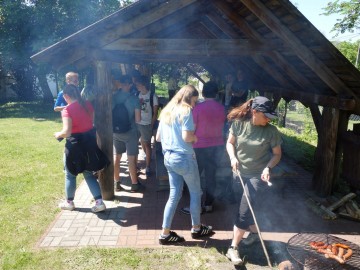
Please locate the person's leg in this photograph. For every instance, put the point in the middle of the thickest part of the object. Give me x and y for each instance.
(70, 183)
(176, 183)
(132, 151)
(117, 158)
(132, 169)
(191, 176)
(93, 185)
(212, 156)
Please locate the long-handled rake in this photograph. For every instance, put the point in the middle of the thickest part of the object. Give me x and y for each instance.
(253, 214)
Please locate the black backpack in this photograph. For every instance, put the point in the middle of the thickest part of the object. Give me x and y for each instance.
(120, 118)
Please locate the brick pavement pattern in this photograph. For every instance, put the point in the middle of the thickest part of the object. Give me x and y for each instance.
(134, 219)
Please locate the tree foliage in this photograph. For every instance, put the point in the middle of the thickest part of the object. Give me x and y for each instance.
(350, 12)
(27, 26)
(348, 49)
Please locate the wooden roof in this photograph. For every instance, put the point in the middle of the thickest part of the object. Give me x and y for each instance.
(281, 51)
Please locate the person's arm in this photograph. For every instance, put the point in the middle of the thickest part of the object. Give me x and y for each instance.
(155, 113)
(157, 137)
(137, 116)
(230, 148)
(276, 156)
(66, 130)
(189, 136)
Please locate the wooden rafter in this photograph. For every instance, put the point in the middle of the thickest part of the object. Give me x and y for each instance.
(273, 23)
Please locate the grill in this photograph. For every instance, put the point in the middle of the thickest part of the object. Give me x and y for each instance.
(298, 247)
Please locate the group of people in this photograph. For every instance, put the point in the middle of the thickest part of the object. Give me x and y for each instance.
(191, 136)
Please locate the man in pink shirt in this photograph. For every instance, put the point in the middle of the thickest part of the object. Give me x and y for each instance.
(209, 117)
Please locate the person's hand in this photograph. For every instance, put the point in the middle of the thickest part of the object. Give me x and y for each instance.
(234, 164)
(58, 135)
(265, 175)
(195, 139)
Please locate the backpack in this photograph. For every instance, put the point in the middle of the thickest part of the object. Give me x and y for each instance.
(120, 118)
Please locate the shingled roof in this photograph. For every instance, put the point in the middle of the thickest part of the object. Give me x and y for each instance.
(281, 50)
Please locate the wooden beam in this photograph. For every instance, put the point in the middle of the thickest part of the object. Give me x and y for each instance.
(346, 104)
(103, 123)
(274, 24)
(278, 59)
(194, 73)
(191, 46)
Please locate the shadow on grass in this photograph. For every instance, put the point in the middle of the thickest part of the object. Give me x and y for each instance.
(32, 110)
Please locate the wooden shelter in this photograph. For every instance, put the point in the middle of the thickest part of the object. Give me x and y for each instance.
(282, 52)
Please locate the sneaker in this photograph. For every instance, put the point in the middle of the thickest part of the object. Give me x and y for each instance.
(233, 255)
(136, 187)
(203, 231)
(98, 207)
(67, 205)
(118, 186)
(148, 171)
(251, 239)
(172, 238)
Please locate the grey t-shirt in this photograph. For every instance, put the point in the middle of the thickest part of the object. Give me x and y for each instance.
(131, 103)
(253, 145)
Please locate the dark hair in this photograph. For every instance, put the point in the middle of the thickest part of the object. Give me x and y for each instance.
(125, 79)
(74, 93)
(143, 80)
(210, 89)
(135, 73)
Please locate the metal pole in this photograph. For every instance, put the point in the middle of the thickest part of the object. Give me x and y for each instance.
(253, 214)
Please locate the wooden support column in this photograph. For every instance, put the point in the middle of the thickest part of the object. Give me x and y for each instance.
(325, 152)
(103, 124)
(342, 128)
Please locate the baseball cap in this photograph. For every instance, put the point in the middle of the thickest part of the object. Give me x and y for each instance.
(264, 105)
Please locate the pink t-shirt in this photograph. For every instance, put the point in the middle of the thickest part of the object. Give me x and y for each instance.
(209, 117)
(82, 120)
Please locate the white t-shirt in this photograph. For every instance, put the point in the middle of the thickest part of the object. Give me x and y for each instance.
(146, 111)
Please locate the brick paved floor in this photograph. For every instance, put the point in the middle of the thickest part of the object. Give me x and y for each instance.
(134, 219)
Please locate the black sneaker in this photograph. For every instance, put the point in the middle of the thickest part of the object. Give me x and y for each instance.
(136, 187)
(172, 238)
(118, 186)
(203, 231)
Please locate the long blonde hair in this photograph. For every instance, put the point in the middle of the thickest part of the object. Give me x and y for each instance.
(179, 105)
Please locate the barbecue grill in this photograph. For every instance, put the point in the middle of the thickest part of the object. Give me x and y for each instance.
(299, 248)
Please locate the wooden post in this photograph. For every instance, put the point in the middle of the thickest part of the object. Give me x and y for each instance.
(325, 153)
(103, 124)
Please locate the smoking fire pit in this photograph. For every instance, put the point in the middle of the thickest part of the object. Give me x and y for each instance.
(299, 248)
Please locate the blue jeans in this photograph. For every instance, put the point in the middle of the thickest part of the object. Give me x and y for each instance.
(182, 167)
(70, 184)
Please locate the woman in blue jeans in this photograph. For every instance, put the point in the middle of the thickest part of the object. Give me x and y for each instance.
(176, 133)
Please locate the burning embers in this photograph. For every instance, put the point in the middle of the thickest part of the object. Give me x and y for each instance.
(336, 251)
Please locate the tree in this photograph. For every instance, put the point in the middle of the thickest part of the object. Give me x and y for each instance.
(349, 50)
(27, 26)
(350, 12)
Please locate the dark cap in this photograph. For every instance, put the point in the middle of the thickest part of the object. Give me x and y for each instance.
(264, 105)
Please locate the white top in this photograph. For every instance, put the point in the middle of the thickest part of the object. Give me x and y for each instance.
(146, 111)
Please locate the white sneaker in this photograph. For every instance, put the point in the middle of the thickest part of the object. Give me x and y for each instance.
(233, 255)
(67, 205)
(98, 207)
(251, 239)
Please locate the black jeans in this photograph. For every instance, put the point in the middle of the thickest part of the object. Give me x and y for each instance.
(244, 218)
(208, 159)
